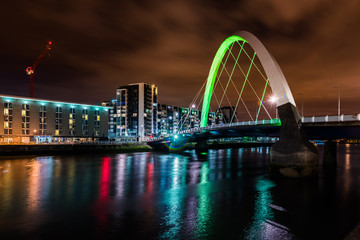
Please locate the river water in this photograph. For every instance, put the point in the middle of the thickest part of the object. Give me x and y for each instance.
(227, 194)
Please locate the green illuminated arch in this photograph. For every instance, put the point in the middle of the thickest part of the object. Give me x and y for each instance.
(277, 79)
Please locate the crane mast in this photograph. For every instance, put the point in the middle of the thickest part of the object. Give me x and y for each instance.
(31, 69)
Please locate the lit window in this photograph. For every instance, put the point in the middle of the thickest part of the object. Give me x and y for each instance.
(6, 111)
(70, 121)
(6, 124)
(71, 115)
(86, 117)
(57, 132)
(98, 118)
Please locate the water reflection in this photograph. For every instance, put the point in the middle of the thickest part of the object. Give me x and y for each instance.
(262, 211)
(228, 195)
(204, 203)
(33, 186)
(120, 175)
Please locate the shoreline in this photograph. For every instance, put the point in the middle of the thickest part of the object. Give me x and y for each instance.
(65, 149)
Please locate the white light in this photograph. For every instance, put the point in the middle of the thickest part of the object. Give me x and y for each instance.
(193, 106)
(273, 99)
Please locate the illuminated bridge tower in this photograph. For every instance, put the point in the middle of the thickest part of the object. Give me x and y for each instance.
(293, 155)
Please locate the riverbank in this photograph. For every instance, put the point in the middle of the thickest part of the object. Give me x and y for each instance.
(61, 149)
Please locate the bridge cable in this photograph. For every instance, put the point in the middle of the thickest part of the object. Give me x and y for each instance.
(250, 82)
(254, 64)
(190, 106)
(261, 102)
(230, 79)
(218, 77)
(242, 89)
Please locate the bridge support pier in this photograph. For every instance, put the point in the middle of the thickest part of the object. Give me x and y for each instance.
(293, 155)
(330, 154)
(201, 147)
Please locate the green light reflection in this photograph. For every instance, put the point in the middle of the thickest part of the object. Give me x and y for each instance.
(204, 203)
(262, 209)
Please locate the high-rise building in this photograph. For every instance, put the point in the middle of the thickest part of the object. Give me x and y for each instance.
(112, 118)
(136, 110)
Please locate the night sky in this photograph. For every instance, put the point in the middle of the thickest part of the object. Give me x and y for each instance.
(101, 45)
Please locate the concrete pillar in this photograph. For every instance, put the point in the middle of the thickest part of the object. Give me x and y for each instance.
(330, 154)
(201, 147)
(293, 155)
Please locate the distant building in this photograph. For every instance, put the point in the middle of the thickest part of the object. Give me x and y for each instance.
(31, 119)
(172, 119)
(112, 118)
(136, 110)
(229, 115)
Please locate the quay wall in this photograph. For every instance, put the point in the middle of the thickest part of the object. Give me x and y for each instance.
(58, 149)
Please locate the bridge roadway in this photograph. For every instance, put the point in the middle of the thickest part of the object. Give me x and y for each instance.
(316, 127)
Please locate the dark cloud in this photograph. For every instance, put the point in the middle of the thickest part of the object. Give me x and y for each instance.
(100, 45)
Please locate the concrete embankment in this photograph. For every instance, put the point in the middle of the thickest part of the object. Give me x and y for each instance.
(45, 149)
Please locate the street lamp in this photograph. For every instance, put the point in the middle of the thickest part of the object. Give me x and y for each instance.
(302, 104)
(338, 102)
(273, 100)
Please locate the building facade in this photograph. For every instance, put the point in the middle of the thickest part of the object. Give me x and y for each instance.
(172, 119)
(39, 120)
(229, 115)
(136, 110)
(112, 118)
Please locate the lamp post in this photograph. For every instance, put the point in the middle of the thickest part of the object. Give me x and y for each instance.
(302, 104)
(338, 102)
(273, 99)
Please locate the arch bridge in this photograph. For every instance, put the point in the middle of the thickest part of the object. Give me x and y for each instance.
(293, 154)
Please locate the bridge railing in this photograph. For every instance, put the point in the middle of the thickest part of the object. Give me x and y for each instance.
(313, 119)
(327, 118)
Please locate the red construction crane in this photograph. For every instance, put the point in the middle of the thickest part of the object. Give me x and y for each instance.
(31, 70)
